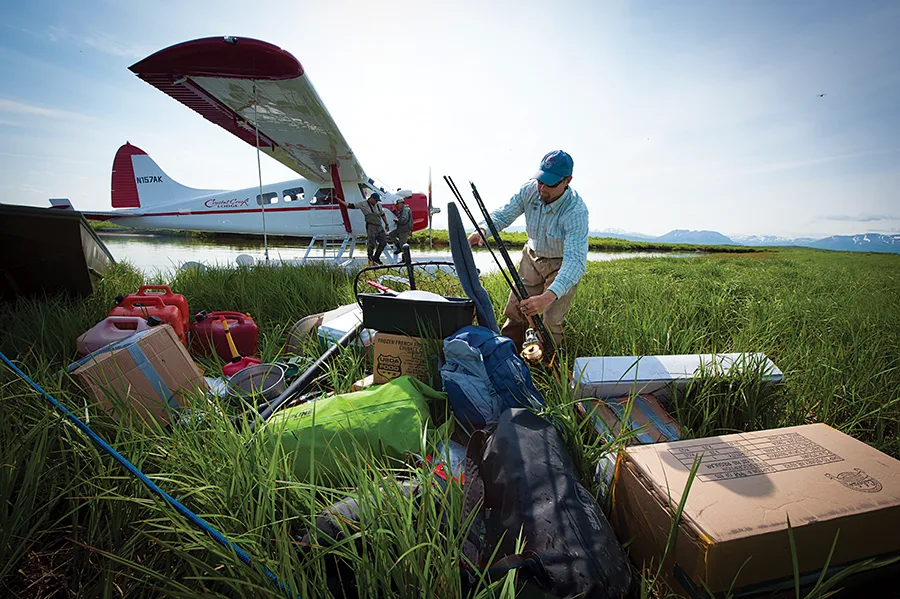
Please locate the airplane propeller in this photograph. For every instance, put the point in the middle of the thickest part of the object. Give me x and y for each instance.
(430, 213)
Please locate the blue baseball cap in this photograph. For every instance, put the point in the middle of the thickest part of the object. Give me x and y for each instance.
(554, 166)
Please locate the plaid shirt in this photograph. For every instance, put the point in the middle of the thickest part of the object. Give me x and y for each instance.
(557, 230)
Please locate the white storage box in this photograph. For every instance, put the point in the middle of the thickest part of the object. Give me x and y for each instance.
(331, 331)
(619, 376)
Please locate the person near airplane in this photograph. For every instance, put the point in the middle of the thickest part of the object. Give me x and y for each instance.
(555, 257)
(376, 237)
(403, 223)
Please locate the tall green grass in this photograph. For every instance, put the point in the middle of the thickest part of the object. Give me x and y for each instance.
(78, 524)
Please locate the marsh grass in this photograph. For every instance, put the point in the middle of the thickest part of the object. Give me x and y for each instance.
(829, 321)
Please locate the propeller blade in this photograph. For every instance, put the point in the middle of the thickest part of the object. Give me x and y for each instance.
(430, 213)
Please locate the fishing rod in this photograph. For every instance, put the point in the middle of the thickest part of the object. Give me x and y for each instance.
(531, 348)
(536, 321)
(468, 212)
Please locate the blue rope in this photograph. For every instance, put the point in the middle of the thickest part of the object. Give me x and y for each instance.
(194, 518)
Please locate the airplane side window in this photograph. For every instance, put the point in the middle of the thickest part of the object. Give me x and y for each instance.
(323, 197)
(267, 198)
(294, 194)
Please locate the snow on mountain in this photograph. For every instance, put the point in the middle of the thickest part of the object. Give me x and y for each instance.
(866, 242)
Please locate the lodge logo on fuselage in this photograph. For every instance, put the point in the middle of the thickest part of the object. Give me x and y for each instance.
(232, 203)
(149, 179)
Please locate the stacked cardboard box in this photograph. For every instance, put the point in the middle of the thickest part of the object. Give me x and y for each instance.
(646, 418)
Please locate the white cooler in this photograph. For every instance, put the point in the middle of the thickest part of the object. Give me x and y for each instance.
(331, 330)
(619, 376)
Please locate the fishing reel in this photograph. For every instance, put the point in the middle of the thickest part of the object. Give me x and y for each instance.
(531, 349)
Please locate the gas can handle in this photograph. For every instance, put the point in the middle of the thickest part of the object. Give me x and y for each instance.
(165, 288)
(131, 301)
(234, 315)
(110, 322)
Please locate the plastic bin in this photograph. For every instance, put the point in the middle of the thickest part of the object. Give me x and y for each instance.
(416, 317)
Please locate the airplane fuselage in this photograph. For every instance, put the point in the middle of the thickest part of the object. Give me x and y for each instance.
(297, 208)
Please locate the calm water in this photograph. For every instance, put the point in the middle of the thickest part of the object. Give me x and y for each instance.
(152, 254)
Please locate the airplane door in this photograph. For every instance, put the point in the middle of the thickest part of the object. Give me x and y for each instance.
(325, 209)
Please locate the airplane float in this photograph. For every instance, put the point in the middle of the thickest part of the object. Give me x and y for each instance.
(261, 94)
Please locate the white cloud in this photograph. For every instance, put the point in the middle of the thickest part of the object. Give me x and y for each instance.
(97, 40)
(14, 107)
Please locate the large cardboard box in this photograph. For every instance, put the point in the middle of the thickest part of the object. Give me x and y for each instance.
(618, 376)
(399, 355)
(152, 370)
(646, 417)
(734, 527)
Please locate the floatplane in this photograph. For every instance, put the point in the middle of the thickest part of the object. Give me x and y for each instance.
(261, 94)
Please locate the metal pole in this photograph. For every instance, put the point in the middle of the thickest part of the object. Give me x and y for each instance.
(409, 267)
(262, 200)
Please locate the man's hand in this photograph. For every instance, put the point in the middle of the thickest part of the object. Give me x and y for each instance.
(537, 304)
(476, 239)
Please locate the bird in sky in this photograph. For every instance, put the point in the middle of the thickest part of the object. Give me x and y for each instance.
(821, 95)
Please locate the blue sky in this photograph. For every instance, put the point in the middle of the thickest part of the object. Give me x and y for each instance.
(689, 115)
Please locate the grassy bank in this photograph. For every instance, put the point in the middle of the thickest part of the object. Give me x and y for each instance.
(438, 239)
(78, 525)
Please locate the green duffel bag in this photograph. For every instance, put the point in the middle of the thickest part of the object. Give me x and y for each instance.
(386, 421)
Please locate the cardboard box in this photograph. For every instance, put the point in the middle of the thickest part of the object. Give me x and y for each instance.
(362, 383)
(619, 376)
(152, 370)
(647, 415)
(399, 355)
(733, 528)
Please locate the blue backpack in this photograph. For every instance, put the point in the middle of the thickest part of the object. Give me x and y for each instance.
(483, 376)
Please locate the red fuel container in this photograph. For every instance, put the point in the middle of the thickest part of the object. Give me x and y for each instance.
(147, 306)
(208, 334)
(168, 298)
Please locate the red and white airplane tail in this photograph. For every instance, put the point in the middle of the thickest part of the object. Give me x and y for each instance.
(138, 182)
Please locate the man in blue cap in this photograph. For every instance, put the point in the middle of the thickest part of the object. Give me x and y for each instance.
(555, 257)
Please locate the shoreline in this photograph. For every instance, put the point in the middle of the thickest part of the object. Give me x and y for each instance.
(419, 240)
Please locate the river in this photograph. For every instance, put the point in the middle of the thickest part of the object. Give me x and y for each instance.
(154, 254)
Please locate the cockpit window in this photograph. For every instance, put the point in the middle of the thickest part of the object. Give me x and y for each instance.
(323, 197)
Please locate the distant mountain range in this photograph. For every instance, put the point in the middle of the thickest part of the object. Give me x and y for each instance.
(867, 242)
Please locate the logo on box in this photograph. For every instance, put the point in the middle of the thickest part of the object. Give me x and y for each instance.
(858, 480)
(388, 366)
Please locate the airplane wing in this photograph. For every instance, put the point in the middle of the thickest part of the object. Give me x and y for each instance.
(242, 83)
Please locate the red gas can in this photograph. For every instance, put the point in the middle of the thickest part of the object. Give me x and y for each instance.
(208, 334)
(148, 306)
(168, 298)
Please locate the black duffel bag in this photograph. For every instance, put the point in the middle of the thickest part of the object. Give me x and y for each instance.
(530, 484)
